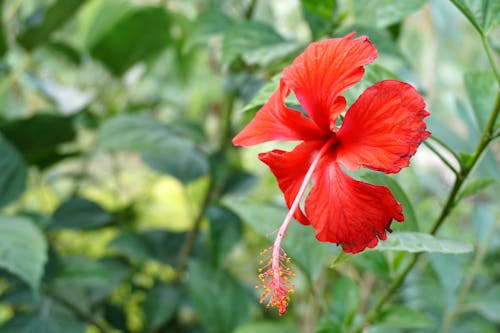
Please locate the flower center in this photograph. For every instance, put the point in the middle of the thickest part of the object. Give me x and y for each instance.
(275, 274)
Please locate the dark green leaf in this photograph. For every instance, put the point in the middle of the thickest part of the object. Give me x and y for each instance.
(422, 242)
(346, 301)
(3, 35)
(207, 24)
(383, 13)
(225, 231)
(54, 17)
(481, 89)
(51, 318)
(410, 223)
(160, 304)
(266, 326)
(319, 15)
(373, 261)
(135, 133)
(264, 93)
(182, 161)
(132, 245)
(163, 150)
(38, 138)
(483, 14)
(79, 213)
(13, 175)
(246, 37)
(475, 186)
(23, 249)
(300, 242)
(401, 317)
(220, 301)
(137, 36)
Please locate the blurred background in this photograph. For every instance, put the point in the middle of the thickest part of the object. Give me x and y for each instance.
(125, 207)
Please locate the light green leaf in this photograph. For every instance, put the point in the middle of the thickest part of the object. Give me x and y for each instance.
(481, 89)
(410, 223)
(79, 213)
(13, 175)
(23, 249)
(475, 186)
(421, 242)
(383, 13)
(266, 326)
(220, 301)
(246, 37)
(484, 15)
(300, 242)
(268, 54)
(487, 304)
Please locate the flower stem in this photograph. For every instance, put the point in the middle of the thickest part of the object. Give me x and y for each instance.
(441, 157)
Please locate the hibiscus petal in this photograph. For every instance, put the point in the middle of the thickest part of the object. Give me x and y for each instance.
(326, 69)
(383, 128)
(348, 212)
(274, 121)
(290, 169)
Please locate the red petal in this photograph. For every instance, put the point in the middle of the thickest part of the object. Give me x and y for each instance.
(290, 169)
(348, 212)
(383, 128)
(326, 69)
(274, 121)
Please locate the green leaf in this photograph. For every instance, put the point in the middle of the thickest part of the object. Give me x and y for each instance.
(401, 317)
(13, 175)
(220, 301)
(421, 242)
(474, 186)
(383, 13)
(135, 132)
(137, 36)
(207, 24)
(300, 242)
(132, 245)
(50, 318)
(410, 223)
(54, 17)
(160, 305)
(3, 36)
(157, 144)
(487, 304)
(481, 89)
(484, 15)
(266, 326)
(81, 214)
(320, 15)
(373, 261)
(264, 93)
(182, 161)
(23, 249)
(226, 230)
(247, 37)
(38, 138)
(266, 55)
(345, 301)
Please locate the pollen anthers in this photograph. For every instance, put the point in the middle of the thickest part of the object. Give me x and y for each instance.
(275, 276)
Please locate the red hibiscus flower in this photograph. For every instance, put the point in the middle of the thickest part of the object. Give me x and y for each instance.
(380, 131)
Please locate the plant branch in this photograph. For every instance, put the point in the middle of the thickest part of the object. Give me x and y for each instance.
(491, 59)
(445, 146)
(441, 157)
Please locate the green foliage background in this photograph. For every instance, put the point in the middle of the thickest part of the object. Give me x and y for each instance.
(125, 208)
